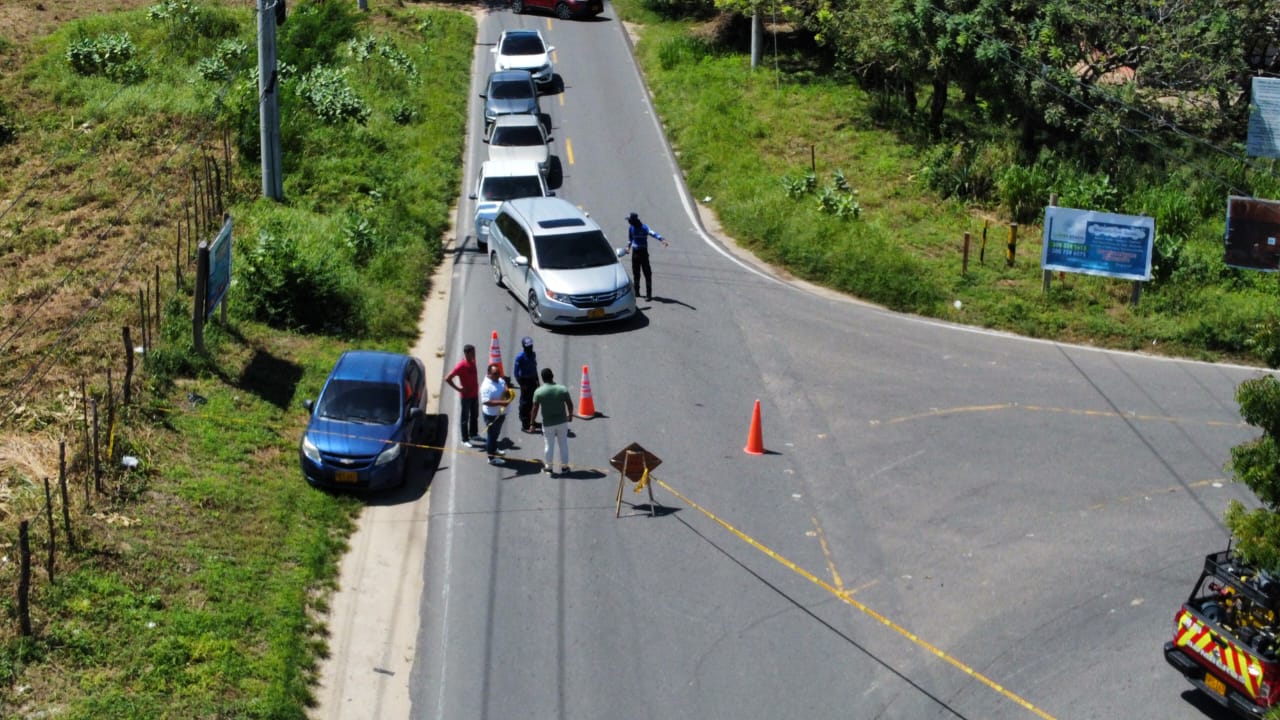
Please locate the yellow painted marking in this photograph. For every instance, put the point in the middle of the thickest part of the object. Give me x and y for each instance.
(568, 149)
(848, 600)
(941, 412)
(826, 552)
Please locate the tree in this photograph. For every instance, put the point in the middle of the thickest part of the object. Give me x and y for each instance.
(1257, 464)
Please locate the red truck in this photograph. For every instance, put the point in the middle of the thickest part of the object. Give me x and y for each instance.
(1225, 637)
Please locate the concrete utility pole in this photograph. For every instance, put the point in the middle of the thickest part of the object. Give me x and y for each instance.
(269, 100)
(757, 38)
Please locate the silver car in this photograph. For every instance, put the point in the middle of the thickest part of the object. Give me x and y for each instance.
(558, 262)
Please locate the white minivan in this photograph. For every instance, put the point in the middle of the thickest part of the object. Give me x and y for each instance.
(557, 261)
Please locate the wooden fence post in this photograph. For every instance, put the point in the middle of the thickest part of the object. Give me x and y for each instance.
(48, 513)
(964, 263)
(24, 579)
(128, 366)
(97, 465)
(111, 418)
(157, 320)
(62, 487)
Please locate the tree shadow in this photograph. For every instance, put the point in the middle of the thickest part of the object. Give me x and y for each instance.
(270, 378)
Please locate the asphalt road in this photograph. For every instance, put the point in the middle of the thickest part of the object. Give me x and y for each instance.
(947, 523)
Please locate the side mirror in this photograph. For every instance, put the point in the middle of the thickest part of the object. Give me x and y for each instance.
(310, 405)
(521, 261)
(472, 196)
(551, 48)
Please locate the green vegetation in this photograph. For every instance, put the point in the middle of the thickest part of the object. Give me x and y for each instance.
(919, 182)
(198, 581)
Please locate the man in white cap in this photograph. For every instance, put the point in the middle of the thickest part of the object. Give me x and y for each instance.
(526, 375)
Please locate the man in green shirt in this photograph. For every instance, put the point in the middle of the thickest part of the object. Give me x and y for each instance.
(553, 401)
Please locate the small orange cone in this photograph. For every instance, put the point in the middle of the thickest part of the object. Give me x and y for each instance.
(586, 406)
(495, 353)
(755, 443)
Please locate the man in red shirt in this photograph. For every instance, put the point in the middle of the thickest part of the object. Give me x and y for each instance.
(465, 378)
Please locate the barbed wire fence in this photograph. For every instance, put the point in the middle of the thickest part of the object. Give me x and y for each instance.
(96, 462)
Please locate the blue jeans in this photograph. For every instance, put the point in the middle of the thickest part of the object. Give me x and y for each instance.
(492, 433)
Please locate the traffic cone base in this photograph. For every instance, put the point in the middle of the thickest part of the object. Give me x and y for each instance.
(586, 406)
(755, 440)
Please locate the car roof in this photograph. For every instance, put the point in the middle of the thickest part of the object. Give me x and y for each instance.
(521, 119)
(510, 75)
(370, 366)
(509, 168)
(551, 215)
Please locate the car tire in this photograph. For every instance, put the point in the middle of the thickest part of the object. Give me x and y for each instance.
(497, 271)
(535, 310)
(562, 11)
(517, 6)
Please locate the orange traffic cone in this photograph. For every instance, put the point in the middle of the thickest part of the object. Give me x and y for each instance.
(586, 406)
(755, 443)
(495, 353)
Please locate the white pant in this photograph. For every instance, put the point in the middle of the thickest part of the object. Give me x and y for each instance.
(552, 434)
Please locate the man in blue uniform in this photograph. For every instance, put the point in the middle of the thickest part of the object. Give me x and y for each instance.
(638, 235)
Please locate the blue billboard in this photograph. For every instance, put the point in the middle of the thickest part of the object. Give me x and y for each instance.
(219, 269)
(1098, 243)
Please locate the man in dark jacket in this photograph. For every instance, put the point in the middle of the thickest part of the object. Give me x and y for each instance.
(638, 235)
(526, 374)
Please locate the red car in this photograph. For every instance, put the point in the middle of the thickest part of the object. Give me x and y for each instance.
(564, 9)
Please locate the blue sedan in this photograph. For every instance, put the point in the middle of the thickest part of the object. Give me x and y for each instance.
(365, 422)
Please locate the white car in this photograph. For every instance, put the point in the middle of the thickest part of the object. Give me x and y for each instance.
(502, 180)
(520, 137)
(524, 50)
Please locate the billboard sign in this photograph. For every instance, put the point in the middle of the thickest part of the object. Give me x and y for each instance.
(1253, 226)
(1264, 118)
(219, 269)
(1098, 243)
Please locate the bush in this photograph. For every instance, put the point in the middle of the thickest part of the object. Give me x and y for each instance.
(289, 290)
(8, 124)
(109, 55)
(682, 50)
(964, 170)
(315, 32)
(326, 92)
(229, 56)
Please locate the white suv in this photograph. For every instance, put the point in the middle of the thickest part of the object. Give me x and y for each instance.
(501, 180)
(524, 50)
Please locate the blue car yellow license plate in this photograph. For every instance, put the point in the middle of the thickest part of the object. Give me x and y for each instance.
(345, 476)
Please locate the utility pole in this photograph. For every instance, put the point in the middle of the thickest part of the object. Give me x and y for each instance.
(757, 37)
(269, 99)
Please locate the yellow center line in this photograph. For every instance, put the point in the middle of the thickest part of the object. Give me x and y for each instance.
(568, 150)
(940, 412)
(848, 600)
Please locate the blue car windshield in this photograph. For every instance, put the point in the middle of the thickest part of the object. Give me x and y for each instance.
(362, 402)
(574, 251)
